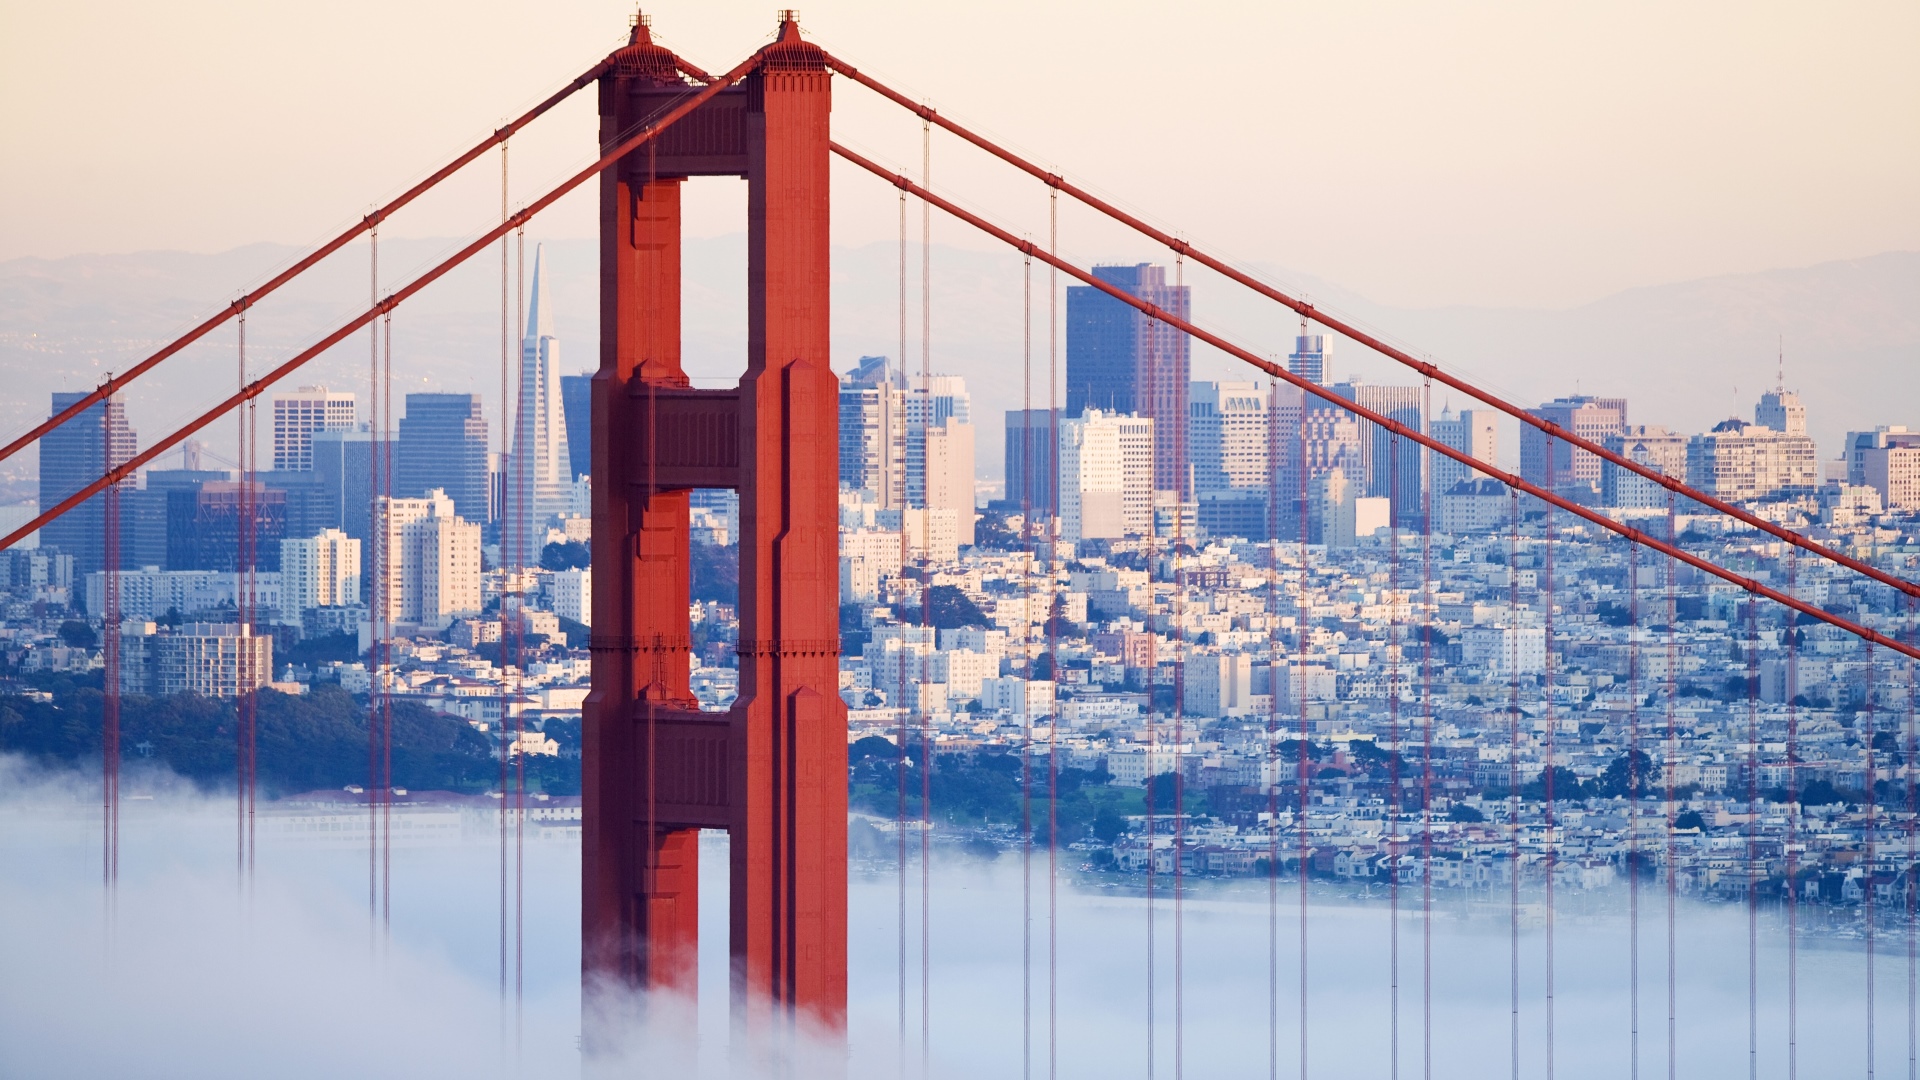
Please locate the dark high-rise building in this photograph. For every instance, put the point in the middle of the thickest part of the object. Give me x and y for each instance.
(576, 406)
(1121, 361)
(72, 456)
(1032, 450)
(443, 444)
(308, 499)
(144, 517)
(343, 468)
(204, 523)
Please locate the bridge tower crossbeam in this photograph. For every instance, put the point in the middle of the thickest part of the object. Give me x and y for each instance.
(772, 770)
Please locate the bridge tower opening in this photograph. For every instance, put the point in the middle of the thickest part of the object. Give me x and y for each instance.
(772, 770)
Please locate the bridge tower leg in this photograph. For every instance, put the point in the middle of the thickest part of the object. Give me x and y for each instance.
(772, 771)
(789, 881)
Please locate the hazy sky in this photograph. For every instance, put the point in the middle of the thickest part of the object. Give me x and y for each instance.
(1483, 153)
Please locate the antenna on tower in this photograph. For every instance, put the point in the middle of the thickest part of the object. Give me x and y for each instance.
(1781, 344)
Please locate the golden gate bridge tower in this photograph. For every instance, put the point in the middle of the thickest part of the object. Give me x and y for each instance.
(772, 770)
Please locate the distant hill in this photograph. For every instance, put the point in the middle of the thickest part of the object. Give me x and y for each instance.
(1677, 351)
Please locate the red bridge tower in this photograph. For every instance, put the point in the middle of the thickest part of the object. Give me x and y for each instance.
(772, 771)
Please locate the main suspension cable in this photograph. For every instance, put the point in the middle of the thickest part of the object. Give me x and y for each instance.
(1307, 311)
(1512, 480)
(367, 224)
(626, 144)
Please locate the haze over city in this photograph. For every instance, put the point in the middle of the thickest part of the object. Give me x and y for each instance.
(1217, 692)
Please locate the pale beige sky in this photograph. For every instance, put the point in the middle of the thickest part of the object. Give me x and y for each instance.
(1485, 153)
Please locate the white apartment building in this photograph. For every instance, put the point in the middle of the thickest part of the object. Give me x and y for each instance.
(318, 571)
(1894, 471)
(570, 593)
(297, 416)
(1020, 697)
(426, 564)
(1737, 461)
(867, 556)
(1475, 506)
(1497, 650)
(1218, 684)
(932, 534)
(217, 660)
(1106, 476)
(1470, 431)
(949, 475)
(1131, 766)
(1643, 444)
(976, 639)
(152, 592)
(963, 671)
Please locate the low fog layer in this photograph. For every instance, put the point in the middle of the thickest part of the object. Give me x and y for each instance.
(191, 979)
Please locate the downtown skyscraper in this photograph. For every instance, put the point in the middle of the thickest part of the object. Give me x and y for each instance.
(73, 456)
(539, 471)
(1121, 361)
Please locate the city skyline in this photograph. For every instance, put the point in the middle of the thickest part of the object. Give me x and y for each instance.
(1249, 653)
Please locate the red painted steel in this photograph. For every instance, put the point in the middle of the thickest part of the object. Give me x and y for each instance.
(1181, 247)
(1512, 480)
(772, 770)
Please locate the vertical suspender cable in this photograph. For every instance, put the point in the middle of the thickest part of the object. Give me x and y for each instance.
(242, 534)
(1180, 492)
(1633, 812)
(926, 606)
(1053, 585)
(1866, 891)
(1270, 773)
(1550, 852)
(1907, 879)
(1671, 762)
(253, 585)
(386, 699)
(1026, 657)
(901, 737)
(1426, 738)
(1753, 840)
(1302, 833)
(519, 716)
(1153, 734)
(519, 625)
(1791, 691)
(246, 584)
(110, 703)
(1393, 758)
(383, 586)
(1513, 781)
(507, 558)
